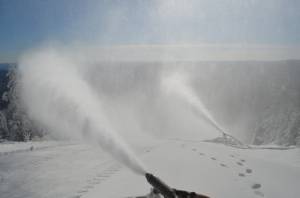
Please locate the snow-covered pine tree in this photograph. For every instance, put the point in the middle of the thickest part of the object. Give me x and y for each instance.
(3, 126)
(20, 127)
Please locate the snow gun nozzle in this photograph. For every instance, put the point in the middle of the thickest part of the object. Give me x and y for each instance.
(160, 186)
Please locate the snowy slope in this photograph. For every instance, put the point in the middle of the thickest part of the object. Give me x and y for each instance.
(211, 169)
(80, 170)
(8, 147)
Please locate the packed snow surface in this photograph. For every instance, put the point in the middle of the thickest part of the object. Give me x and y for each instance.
(76, 170)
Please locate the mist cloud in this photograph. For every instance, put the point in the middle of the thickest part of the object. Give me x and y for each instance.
(56, 94)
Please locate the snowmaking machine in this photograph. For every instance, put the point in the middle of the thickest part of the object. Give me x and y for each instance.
(162, 190)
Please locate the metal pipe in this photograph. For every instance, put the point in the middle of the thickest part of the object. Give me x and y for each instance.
(160, 186)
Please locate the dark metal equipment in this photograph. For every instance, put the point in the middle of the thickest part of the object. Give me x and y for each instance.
(160, 186)
(167, 192)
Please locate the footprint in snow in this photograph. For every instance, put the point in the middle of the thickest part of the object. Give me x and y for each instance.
(242, 175)
(88, 187)
(223, 165)
(82, 191)
(248, 170)
(98, 179)
(104, 175)
(242, 160)
(96, 182)
(93, 181)
(256, 186)
(201, 153)
(240, 164)
(213, 158)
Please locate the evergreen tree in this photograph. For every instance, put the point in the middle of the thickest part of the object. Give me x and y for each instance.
(19, 126)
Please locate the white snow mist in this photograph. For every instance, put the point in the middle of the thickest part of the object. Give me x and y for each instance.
(56, 94)
(177, 83)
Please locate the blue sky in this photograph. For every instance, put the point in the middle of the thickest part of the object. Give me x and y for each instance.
(29, 23)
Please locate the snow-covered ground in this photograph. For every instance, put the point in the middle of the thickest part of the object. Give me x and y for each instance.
(8, 147)
(79, 170)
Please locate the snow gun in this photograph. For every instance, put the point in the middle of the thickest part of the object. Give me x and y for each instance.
(159, 187)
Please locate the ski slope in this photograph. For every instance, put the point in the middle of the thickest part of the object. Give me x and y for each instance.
(78, 170)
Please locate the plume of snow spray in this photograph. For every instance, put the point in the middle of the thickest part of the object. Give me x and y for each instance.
(56, 95)
(177, 83)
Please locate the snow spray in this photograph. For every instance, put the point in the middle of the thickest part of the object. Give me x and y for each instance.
(177, 83)
(56, 95)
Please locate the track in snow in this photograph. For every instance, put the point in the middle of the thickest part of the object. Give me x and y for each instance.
(240, 162)
(82, 171)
